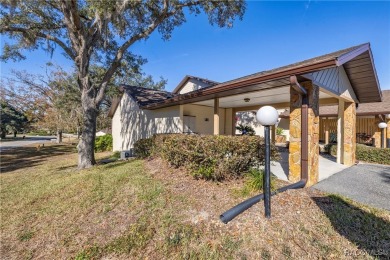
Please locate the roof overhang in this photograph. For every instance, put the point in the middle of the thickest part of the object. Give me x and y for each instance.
(357, 61)
(360, 68)
(243, 85)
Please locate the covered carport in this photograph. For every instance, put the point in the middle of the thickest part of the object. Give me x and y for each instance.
(346, 78)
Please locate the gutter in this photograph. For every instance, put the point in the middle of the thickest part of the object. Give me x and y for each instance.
(238, 209)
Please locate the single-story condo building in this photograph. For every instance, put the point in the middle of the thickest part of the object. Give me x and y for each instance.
(344, 78)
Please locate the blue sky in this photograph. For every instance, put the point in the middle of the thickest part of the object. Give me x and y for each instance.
(272, 34)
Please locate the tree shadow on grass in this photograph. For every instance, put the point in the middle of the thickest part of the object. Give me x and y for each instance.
(115, 164)
(370, 233)
(23, 157)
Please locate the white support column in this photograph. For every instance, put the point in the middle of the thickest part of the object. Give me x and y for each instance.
(181, 109)
(216, 116)
(340, 132)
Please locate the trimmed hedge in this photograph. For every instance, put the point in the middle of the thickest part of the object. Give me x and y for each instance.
(372, 154)
(207, 157)
(365, 153)
(103, 143)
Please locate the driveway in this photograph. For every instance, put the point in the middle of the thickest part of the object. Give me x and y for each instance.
(4, 145)
(365, 183)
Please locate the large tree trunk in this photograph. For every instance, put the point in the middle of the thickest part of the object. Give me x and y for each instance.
(87, 142)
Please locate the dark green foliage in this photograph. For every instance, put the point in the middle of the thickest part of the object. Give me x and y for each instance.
(103, 143)
(279, 131)
(365, 153)
(208, 157)
(245, 129)
(373, 155)
(254, 180)
(12, 120)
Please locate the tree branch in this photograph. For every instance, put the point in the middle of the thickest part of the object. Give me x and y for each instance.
(119, 55)
(42, 35)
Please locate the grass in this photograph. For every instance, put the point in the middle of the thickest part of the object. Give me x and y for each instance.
(142, 209)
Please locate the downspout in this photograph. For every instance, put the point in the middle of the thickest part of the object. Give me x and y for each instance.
(238, 209)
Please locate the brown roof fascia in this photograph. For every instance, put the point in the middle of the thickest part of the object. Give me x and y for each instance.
(114, 105)
(218, 89)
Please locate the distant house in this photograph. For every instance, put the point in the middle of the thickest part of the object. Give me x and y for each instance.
(346, 78)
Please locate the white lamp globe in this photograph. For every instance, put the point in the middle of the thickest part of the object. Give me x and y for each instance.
(382, 125)
(267, 115)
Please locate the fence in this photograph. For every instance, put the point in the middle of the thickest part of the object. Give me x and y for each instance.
(365, 128)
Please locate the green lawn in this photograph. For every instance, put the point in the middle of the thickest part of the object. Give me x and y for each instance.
(142, 209)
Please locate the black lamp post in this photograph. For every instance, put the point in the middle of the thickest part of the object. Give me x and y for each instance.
(267, 116)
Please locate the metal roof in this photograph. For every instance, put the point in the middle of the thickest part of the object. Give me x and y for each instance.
(357, 61)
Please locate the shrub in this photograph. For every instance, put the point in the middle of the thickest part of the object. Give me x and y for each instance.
(372, 154)
(365, 153)
(143, 148)
(331, 149)
(254, 180)
(208, 157)
(103, 143)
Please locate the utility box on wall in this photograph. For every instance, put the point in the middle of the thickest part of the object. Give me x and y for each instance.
(126, 154)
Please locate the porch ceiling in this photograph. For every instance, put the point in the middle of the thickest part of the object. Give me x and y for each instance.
(280, 95)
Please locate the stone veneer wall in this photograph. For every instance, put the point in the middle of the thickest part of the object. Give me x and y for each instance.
(377, 134)
(295, 133)
(349, 133)
(388, 131)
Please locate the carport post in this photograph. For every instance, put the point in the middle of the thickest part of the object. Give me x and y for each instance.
(304, 132)
(216, 116)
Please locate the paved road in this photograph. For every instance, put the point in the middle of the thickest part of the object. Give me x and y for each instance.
(23, 142)
(365, 183)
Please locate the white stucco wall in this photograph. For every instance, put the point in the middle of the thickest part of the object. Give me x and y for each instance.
(130, 123)
(205, 118)
(193, 84)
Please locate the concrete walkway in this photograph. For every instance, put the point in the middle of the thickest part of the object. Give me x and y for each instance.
(327, 166)
(365, 183)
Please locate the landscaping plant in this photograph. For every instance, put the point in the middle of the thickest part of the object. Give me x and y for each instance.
(103, 143)
(207, 157)
(255, 180)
